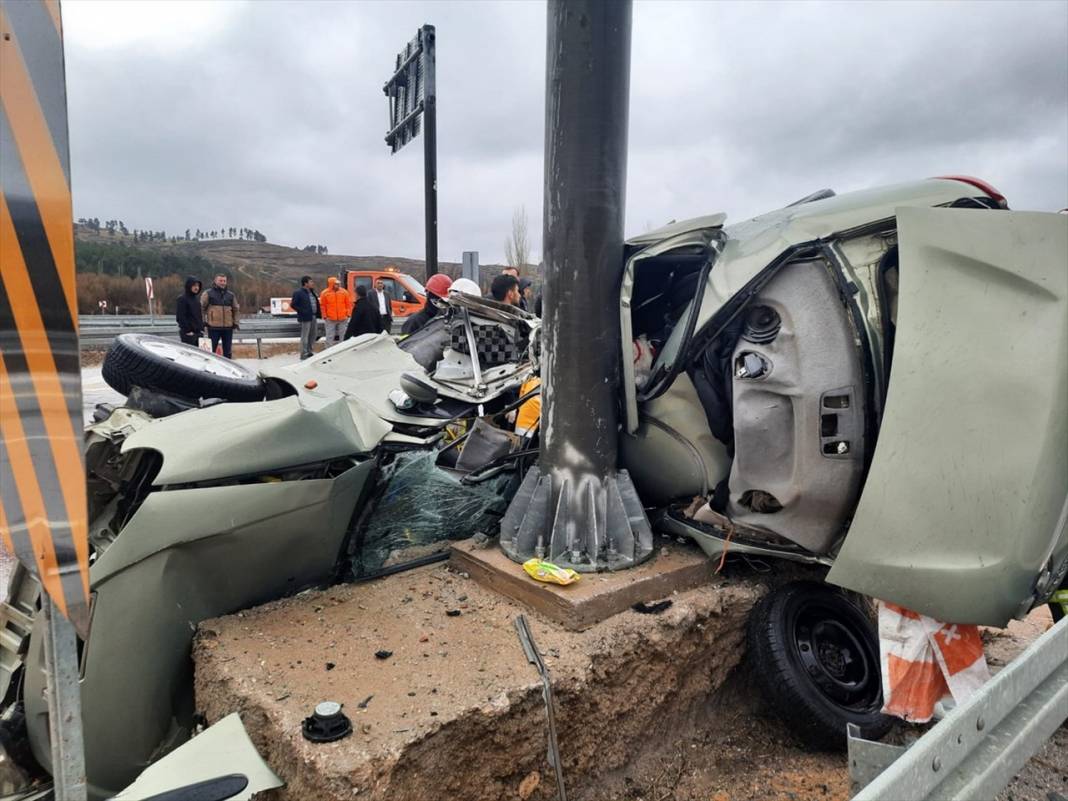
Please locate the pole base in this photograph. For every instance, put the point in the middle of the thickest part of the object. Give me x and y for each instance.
(585, 522)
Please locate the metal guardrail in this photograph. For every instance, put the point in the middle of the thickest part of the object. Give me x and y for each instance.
(979, 747)
(98, 331)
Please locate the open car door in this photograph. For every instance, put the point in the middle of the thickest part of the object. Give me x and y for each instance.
(963, 512)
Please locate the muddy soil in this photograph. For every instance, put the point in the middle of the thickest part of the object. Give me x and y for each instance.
(738, 751)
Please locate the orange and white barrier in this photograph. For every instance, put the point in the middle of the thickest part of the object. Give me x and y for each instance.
(925, 660)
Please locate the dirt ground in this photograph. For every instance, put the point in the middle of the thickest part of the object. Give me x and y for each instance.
(454, 711)
(451, 708)
(742, 754)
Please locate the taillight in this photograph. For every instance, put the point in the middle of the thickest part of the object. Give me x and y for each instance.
(979, 184)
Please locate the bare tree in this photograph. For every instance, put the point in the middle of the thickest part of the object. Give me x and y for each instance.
(517, 245)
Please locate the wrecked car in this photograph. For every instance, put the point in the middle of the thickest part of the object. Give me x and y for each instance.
(872, 384)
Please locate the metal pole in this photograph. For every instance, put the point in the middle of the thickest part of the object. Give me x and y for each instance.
(430, 149)
(576, 508)
(64, 704)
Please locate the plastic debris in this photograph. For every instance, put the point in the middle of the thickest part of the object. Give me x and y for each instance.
(326, 724)
(652, 608)
(540, 570)
(926, 662)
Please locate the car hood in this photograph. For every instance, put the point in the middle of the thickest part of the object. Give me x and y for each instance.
(237, 439)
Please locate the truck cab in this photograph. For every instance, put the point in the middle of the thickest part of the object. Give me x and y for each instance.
(407, 293)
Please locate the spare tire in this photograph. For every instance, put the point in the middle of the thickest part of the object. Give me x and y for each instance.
(163, 365)
(815, 657)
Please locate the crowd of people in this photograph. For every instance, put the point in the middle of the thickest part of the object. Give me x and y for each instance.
(370, 312)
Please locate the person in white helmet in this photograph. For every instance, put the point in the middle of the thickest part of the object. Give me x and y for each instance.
(467, 286)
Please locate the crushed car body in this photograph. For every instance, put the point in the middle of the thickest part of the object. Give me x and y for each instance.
(874, 382)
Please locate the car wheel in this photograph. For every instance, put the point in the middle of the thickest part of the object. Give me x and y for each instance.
(151, 362)
(815, 656)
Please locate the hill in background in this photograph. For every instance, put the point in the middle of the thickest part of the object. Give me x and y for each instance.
(111, 264)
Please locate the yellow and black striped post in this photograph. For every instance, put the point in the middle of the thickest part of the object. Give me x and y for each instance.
(42, 475)
(42, 472)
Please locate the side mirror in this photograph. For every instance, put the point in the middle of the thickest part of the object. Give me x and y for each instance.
(417, 389)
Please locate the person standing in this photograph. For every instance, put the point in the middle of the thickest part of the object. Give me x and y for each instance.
(365, 317)
(385, 305)
(221, 315)
(188, 313)
(505, 289)
(337, 308)
(526, 294)
(306, 304)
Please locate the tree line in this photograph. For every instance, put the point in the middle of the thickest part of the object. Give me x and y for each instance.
(113, 227)
(113, 272)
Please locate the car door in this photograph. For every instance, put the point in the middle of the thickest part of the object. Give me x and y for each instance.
(963, 512)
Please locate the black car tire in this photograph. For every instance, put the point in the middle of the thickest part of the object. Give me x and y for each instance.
(815, 656)
(141, 360)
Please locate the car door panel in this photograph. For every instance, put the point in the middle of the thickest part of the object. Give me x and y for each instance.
(964, 501)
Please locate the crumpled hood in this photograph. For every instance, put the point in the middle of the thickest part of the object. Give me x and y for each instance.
(240, 439)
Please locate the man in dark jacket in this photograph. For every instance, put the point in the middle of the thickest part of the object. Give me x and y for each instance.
(526, 294)
(365, 317)
(306, 304)
(188, 313)
(384, 302)
(221, 314)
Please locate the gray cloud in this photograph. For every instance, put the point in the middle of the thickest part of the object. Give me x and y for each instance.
(272, 114)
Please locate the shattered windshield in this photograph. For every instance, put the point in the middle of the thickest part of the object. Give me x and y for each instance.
(423, 507)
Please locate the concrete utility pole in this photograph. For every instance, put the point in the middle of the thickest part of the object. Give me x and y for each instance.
(576, 508)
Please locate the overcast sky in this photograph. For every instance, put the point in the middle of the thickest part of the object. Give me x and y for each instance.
(271, 114)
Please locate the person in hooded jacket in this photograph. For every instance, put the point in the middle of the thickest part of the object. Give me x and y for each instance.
(337, 308)
(365, 317)
(437, 290)
(188, 313)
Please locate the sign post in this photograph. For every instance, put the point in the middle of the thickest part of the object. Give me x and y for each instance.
(42, 474)
(151, 300)
(413, 104)
(576, 508)
(470, 266)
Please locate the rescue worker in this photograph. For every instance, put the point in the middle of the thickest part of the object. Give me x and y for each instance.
(365, 316)
(466, 286)
(385, 305)
(337, 308)
(188, 313)
(306, 304)
(505, 289)
(437, 290)
(221, 311)
(528, 416)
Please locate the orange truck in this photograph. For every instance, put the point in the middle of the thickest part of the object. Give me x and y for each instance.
(408, 294)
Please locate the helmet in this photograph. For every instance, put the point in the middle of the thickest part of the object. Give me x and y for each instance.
(467, 286)
(439, 284)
